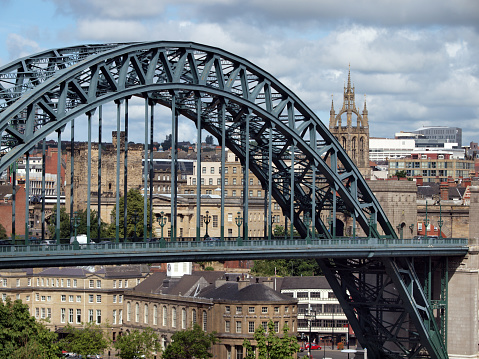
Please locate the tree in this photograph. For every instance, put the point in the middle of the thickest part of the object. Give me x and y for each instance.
(136, 344)
(191, 343)
(401, 174)
(3, 232)
(21, 336)
(134, 205)
(270, 345)
(81, 222)
(84, 341)
(286, 267)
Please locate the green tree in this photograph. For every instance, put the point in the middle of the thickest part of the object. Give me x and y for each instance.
(3, 232)
(21, 336)
(191, 343)
(134, 204)
(401, 174)
(272, 346)
(286, 267)
(84, 341)
(81, 223)
(138, 343)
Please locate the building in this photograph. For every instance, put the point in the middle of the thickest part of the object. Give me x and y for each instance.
(383, 149)
(432, 166)
(439, 134)
(354, 137)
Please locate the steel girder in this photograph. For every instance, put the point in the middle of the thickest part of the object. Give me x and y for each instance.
(386, 306)
(41, 94)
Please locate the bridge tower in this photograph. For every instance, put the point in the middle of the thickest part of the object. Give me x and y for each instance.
(353, 138)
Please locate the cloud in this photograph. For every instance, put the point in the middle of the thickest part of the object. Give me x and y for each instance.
(19, 46)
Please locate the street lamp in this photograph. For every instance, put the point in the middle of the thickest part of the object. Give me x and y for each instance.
(135, 220)
(307, 222)
(207, 220)
(239, 222)
(310, 316)
(75, 225)
(162, 221)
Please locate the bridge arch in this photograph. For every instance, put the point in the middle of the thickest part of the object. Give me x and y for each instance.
(268, 127)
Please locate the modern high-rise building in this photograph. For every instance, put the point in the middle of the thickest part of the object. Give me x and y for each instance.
(439, 134)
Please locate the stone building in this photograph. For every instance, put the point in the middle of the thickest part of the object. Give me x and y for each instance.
(354, 137)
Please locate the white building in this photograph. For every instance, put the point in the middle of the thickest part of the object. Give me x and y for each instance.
(382, 149)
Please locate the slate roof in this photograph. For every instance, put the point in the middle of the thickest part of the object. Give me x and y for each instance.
(65, 272)
(256, 292)
(132, 271)
(316, 282)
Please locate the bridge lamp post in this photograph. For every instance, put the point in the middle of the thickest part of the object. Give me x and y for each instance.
(307, 222)
(207, 220)
(75, 225)
(162, 221)
(239, 222)
(135, 221)
(311, 315)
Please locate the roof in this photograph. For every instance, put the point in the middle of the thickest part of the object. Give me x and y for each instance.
(312, 282)
(256, 292)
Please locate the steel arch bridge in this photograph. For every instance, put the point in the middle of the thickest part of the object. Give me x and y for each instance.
(273, 133)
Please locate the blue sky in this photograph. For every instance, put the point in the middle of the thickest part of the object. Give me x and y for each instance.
(415, 60)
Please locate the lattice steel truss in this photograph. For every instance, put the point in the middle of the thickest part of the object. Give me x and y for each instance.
(273, 133)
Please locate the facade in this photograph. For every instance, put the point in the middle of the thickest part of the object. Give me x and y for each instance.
(441, 134)
(383, 149)
(432, 166)
(354, 137)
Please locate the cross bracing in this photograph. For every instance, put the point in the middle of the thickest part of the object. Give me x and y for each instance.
(274, 134)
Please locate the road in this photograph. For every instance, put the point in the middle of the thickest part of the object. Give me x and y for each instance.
(331, 354)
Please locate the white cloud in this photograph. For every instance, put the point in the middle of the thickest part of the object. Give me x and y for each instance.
(19, 46)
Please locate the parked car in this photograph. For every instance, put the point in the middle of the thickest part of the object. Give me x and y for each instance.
(313, 346)
(48, 242)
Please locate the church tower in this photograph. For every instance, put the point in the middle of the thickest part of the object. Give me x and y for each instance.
(353, 137)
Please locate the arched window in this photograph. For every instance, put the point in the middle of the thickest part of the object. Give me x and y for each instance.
(137, 312)
(193, 317)
(173, 317)
(344, 143)
(145, 314)
(155, 315)
(183, 318)
(165, 316)
(205, 320)
(128, 311)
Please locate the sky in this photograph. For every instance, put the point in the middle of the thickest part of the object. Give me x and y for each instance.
(414, 61)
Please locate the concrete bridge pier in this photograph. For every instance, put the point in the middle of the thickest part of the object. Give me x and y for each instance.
(463, 301)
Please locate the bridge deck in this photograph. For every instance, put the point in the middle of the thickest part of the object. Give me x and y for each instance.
(21, 256)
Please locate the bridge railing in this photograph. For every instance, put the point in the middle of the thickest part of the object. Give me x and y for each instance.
(189, 243)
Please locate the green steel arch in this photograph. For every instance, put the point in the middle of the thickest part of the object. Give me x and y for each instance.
(237, 100)
(274, 134)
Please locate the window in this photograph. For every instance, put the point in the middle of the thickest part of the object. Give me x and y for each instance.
(98, 283)
(227, 326)
(98, 316)
(98, 298)
(210, 181)
(212, 170)
(49, 313)
(37, 297)
(276, 310)
(91, 284)
(70, 298)
(62, 315)
(155, 315)
(238, 327)
(128, 311)
(251, 310)
(126, 281)
(239, 310)
(114, 316)
(145, 314)
(70, 315)
(37, 313)
(64, 298)
(18, 282)
(250, 327)
(120, 298)
(183, 318)
(90, 298)
(234, 181)
(205, 320)
(114, 284)
(29, 282)
(78, 316)
(302, 295)
(173, 317)
(75, 283)
(120, 316)
(28, 298)
(227, 309)
(276, 327)
(43, 298)
(265, 326)
(69, 283)
(234, 169)
(137, 312)
(264, 310)
(165, 316)
(43, 313)
(215, 220)
(203, 170)
(114, 298)
(90, 315)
